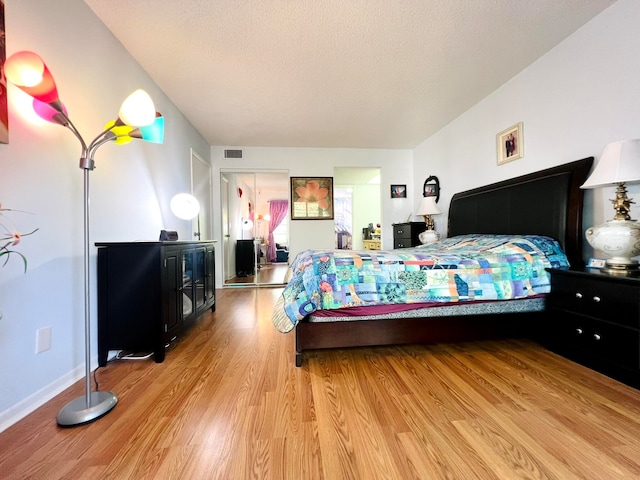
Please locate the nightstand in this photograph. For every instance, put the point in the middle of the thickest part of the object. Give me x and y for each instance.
(371, 244)
(596, 321)
(406, 234)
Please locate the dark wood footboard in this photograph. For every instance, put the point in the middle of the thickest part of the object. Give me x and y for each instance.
(366, 333)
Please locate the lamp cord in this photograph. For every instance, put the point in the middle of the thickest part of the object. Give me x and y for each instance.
(95, 378)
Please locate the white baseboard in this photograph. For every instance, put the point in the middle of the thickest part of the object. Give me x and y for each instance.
(23, 408)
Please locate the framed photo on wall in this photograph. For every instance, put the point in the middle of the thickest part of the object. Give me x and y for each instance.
(510, 144)
(398, 191)
(311, 198)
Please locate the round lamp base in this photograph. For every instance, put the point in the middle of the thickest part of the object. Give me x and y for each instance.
(630, 270)
(79, 411)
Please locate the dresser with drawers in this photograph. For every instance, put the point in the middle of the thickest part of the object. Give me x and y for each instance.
(371, 244)
(405, 234)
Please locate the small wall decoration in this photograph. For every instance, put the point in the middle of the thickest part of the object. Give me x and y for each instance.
(431, 187)
(311, 198)
(510, 144)
(398, 191)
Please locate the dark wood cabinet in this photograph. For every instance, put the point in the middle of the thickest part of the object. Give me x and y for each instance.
(245, 258)
(149, 291)
(406, 234)
(596, 321)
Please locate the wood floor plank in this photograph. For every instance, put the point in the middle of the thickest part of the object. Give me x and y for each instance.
(229, 403)
(364, 424)
(444, 449)
(591, 450)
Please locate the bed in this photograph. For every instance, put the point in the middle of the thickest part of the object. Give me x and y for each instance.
(528, 216)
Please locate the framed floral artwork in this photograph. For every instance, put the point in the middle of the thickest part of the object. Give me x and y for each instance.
(311, 198)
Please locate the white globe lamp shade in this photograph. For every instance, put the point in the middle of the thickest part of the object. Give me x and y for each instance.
(138, 110)
(247, 225)
(185, 206)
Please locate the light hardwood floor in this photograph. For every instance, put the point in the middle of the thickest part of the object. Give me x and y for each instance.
(268, 274)
(228, 403)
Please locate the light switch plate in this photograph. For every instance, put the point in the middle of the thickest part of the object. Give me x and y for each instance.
(43, 339)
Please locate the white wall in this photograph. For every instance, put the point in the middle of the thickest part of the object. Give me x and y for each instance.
(395, 167)
(130, 192)
(575, 99)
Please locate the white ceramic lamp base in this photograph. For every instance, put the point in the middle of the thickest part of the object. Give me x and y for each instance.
(429, 236)
(619, 240)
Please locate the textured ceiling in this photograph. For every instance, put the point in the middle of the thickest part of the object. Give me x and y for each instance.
(335, 73)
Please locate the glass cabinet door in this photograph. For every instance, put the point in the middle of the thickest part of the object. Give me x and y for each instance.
(199, 277)
(172, 302)
(188, 278)
(210, 271)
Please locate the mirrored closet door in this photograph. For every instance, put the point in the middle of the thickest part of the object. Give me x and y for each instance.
(358, 208)
(255, 216)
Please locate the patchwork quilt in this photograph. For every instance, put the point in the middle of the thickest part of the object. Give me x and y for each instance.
(465, 268)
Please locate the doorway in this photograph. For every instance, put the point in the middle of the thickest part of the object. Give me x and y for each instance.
(201, 189)
(358, 205)
(255, 227)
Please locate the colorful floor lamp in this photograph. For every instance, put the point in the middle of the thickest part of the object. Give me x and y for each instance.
(137, 118)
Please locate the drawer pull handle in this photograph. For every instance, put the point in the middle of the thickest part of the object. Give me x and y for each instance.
(596, 336)
(596, 299)
(579, 331)
(578, 295)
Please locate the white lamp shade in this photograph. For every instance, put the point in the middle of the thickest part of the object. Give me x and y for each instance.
(185, 206)
(619, 163)
(428, 207)
(247, 225)
(138, 109)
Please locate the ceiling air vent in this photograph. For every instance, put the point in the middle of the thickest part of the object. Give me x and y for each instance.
(233, 154)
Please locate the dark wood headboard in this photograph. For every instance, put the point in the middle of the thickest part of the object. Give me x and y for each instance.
(548, 202)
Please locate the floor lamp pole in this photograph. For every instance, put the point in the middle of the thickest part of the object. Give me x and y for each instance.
(92, 405)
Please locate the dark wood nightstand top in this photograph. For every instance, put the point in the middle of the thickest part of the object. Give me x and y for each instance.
(596, 274)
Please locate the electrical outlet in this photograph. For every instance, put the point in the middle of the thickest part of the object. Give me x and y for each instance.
(43, 339)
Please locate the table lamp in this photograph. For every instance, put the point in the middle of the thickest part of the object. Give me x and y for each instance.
(428, 208)
(619, 238)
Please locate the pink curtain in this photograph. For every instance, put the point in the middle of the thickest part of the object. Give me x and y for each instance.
(278, 210)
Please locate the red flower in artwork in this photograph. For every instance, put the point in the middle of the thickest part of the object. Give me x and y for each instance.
(313, 193)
